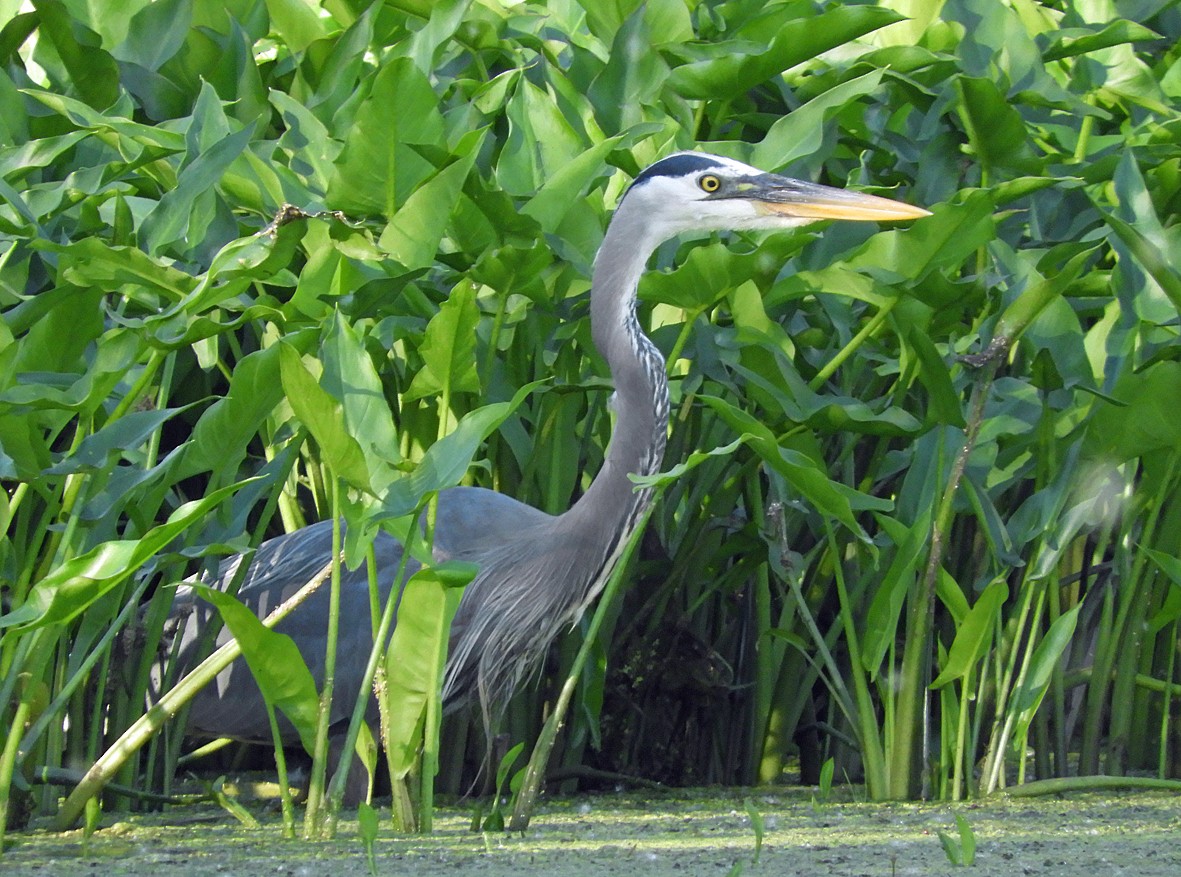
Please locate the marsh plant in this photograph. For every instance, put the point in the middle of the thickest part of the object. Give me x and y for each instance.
(921, 512)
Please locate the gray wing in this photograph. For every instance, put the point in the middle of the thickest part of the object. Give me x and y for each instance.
(472, 524)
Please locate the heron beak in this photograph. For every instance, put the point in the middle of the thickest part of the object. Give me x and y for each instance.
(784, 196)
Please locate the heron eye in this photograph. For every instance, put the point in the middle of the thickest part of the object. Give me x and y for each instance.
(709, 183)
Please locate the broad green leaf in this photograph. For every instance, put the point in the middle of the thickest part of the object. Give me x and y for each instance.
(323, 415)
(413, 235)
(381, 165)
(690, 463)
(632, 79)
(84, 65)
(540, 142)
(1170, 610)
(178, 216)
(955, 232)
(936, 377)
(747, 65)
(74, 585)
(449, 349)
(416, 658)
(995, 129)
(973, 635)
(801, 132)
(121, 436)
(1145, 418)
(129, 271)
(155, 33)
(1137, 225)
(275, 662)
(350, 377)
(551, 204)
(240, 263)
(83, 116)
(297, 22)
(885, 609)
(1069, 42)
(1041, 665)
(829, 497)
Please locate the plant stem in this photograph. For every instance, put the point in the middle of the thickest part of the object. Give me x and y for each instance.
(315, 825)
(912, 690)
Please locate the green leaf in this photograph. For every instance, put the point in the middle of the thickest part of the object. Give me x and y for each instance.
(1041, 666)
(129, 271)
(323, 415)
(942, 241)
(540, 142)
(415, 661)
(380, 166)
(350, 377)
(885, 609)
(296, 22)
(973, 635)
(413, 235)
(802, 131)
(1070, 42)
(829, 497)
(1143, 420)
(275, 662)
(936, 377)
(449, 348)
(90, 70)
(746, 65)
(180, 216)
(553, 201)
(156, 33)
(1170, 610)
(74, 585)
(447, 460)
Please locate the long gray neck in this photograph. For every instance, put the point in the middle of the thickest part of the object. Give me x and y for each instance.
(611, 504)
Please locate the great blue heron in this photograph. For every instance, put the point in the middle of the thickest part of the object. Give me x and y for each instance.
(537, 572)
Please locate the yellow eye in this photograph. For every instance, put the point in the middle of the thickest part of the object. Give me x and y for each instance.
(709, 183)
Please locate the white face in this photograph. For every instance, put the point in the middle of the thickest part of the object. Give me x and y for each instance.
(690, 202)
(698, 192)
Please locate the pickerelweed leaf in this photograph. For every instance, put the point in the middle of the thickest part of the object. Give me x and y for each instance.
(417, 652)
(76, 584)
(973, 635)
(275, 662)
(802, 39)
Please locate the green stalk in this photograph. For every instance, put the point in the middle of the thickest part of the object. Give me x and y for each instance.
(281, 769)
(768, 654)
(380, 636)
(314, 822)
(691, 316)
(82, 673)
(1166, 712)
(912, 689)
(431, 722)
(1092, 738)
(1131, 622)
(993, 771)
(961, 738)
(8, 761)
(32, 653)
(877, 779)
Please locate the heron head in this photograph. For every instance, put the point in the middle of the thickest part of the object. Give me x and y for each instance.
(693, 191)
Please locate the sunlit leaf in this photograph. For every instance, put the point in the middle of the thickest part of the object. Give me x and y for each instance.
(275, 662)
